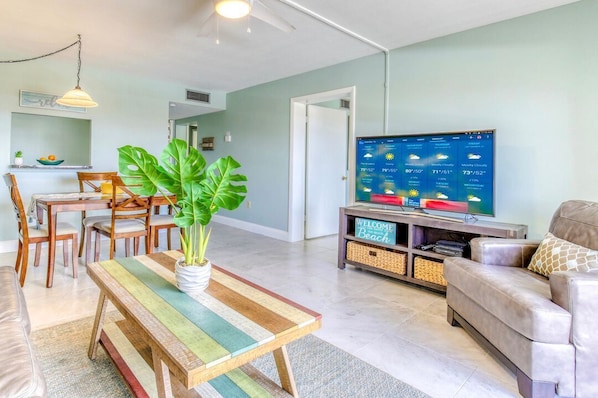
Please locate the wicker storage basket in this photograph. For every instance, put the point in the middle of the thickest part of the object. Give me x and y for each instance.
(429, 270)
(377, 257)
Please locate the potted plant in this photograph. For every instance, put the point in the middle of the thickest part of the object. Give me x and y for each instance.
(19, 158)
(200, 189)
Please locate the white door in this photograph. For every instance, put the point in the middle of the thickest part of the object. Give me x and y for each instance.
(326, 169)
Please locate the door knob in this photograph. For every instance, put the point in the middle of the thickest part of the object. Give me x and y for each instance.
(343, 178)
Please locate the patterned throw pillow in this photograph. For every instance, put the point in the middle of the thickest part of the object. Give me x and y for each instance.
(556, 254)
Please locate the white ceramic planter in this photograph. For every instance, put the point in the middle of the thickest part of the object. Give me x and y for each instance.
(18, 161)
(192, 279)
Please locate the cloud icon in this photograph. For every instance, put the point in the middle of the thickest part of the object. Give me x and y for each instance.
(440, 156)
(389, 191)
(473, 156)
(440, 195)
(368, 155)
(472, 198)
(413, 157)
(366, 189)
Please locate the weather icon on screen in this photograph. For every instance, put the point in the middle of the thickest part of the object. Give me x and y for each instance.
(472, 198)
(474, 156)
(414, 157)
(440, 195)
(368, 155)
(441, 156)
(366, 189)
(389, 156)
(389, 191)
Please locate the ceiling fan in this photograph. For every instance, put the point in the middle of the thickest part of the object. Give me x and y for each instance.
(210, 10)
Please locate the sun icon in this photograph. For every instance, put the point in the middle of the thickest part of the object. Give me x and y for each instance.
(390, 156)
(413, 192)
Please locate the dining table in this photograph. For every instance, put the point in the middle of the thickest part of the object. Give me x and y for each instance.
(54, 203)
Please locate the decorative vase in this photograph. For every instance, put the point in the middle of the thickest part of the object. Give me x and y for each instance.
(192, 279)
(18, 161)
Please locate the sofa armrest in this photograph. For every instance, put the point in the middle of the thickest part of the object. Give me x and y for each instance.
(577, 292)
(506, 252)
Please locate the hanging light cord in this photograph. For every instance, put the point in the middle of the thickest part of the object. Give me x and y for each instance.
(13, 61)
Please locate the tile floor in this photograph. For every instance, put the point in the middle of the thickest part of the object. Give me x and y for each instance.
(396, 327)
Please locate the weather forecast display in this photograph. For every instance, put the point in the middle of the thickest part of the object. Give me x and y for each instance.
(441, 171)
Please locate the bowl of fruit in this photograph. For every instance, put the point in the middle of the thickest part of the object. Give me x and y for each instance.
(50, 160)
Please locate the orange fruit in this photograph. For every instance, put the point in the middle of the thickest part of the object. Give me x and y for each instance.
(51, 157)
(43, 159)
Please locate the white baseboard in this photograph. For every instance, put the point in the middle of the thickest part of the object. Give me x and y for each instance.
(7, 246)
(255, 228)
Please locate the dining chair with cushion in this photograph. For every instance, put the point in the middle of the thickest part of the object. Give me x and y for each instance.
(38, 235)
(159, 221)
(92, 182)
(129, 219)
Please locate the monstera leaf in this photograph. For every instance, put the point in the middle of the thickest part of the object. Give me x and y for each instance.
(200, 191)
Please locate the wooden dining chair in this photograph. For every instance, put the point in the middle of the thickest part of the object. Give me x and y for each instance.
(38, 235)
(159, 221)
(129, 219)
(91, 182)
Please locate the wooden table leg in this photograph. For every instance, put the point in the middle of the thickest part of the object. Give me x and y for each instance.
(162, 376)
(287, 380)
(97, 326)
(51, 247)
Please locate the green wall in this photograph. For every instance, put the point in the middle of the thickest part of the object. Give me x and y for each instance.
(533, 78)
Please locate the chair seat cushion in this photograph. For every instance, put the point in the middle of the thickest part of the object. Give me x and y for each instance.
(121, 226)
(61, 229)
(91, 220)
(161, 219)
(517, 297)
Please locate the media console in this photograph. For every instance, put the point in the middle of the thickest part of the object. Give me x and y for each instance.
(404, 257)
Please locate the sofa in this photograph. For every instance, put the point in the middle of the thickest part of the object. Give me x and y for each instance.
(20, 373)
(534, 304)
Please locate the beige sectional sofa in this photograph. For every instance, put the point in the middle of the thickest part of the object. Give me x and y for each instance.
(20, 373)
(543, 328)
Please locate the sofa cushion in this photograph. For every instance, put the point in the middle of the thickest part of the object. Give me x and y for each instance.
(13, 301)
(23, 378)
(515, 296)
(555, 254)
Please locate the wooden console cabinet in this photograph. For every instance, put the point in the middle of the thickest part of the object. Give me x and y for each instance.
(412, 231)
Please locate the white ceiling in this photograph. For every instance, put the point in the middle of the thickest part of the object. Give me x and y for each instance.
(160, 39)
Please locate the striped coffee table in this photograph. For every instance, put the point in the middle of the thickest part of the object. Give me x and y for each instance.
(194, 346)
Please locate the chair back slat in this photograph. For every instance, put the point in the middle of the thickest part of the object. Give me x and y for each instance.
(93, 180)
(15, 197)
(126, 204)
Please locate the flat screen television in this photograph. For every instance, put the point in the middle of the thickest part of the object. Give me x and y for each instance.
(451, 171)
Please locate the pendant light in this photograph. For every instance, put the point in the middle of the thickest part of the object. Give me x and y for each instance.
(77, 97)
(233, 9)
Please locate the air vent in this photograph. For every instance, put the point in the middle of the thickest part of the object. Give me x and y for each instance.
(345, 104)
(198, 96)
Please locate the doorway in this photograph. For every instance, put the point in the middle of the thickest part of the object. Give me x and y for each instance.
(300, 200)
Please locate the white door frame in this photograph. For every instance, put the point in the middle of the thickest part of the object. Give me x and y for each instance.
(296, 216)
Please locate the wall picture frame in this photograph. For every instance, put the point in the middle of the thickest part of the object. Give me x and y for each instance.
(30, 99)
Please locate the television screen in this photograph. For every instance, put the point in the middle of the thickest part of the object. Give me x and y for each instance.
(439, 171)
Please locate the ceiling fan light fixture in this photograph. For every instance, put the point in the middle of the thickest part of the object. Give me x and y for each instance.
(233, 9)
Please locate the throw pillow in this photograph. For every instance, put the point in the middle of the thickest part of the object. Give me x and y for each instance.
(555, 254)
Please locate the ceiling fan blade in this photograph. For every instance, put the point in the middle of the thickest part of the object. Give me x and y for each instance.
(204, 13)
(208, 26)
(264, 13)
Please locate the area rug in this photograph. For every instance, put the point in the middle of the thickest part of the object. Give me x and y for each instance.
(320, 368)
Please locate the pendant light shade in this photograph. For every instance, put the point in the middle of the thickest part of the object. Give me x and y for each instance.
(77, 97)
(233, 9)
